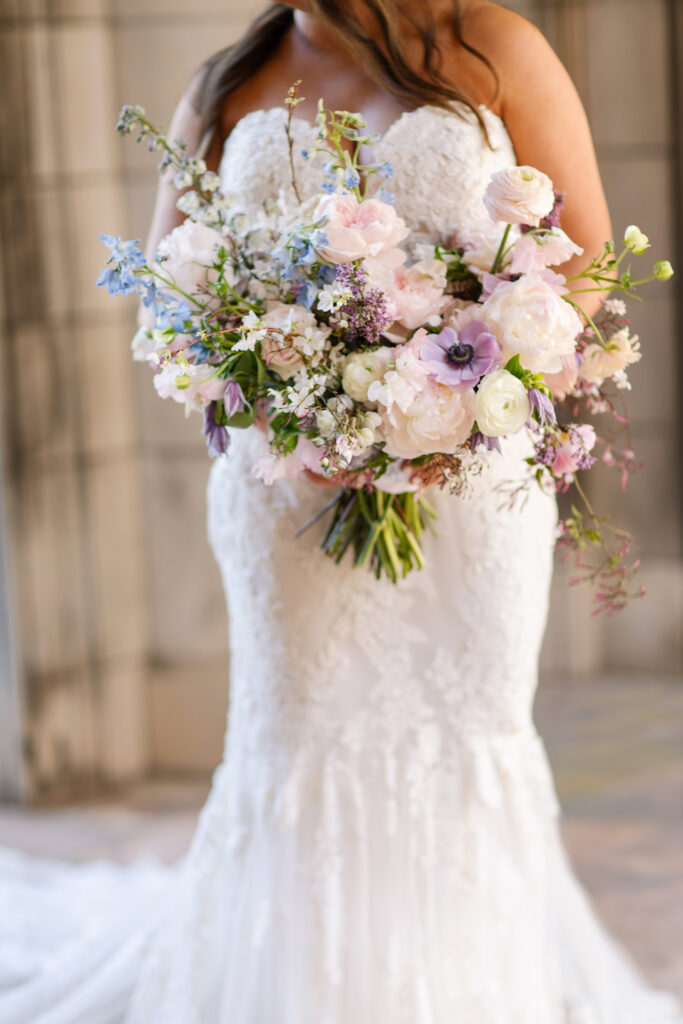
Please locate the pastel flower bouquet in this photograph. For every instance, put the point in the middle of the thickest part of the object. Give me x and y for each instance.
(378, 362)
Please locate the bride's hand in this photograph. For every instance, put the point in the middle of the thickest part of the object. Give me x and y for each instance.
(321, 481)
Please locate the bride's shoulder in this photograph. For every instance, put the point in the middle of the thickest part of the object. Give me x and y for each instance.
(518, 52)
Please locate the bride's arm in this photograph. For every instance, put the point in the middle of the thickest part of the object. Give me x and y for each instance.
(548, 126)
(185, 125)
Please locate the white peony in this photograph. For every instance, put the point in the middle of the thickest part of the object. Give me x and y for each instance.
(439, 419)
(501, 404)
(519, 195)
(531, 320)
(187, 252)
(361, 369)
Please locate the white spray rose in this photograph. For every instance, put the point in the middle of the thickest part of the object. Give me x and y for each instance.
(501, 404)
(519, 195)
(362, 369)
(531, 320)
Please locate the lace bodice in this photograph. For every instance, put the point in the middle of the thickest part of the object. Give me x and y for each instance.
(441, 164)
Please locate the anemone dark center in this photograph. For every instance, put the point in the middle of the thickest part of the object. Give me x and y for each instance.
(460, 354)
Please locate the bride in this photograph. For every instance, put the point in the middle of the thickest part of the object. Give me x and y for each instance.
(381, 843)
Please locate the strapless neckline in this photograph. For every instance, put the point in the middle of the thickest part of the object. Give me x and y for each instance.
(404, 116)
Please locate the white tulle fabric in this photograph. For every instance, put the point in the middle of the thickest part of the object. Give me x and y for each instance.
(381, 843)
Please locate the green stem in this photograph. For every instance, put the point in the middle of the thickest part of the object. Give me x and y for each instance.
(501, 249)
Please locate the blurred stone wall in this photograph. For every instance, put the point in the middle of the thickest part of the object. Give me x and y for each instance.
(118, 662)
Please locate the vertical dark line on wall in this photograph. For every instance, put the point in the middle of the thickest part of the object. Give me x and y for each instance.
(675, 59)
(83, 470)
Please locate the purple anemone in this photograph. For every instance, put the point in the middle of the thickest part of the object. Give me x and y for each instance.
(460, 358)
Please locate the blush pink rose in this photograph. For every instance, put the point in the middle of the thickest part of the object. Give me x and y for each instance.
(547, 249)
(414, 294)
(356, 230)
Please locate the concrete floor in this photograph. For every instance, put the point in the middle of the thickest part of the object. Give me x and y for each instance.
(617, 750)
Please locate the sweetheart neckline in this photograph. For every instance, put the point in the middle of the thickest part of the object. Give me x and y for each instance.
(405, 114)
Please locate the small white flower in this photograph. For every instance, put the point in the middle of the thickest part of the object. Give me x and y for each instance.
(635, 241)
(210, 182)
(621, 380)
(617, 307)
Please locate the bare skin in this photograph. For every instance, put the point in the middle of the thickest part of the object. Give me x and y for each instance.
(536, 100)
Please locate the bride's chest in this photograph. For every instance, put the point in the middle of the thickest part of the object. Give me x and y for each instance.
(440, 165)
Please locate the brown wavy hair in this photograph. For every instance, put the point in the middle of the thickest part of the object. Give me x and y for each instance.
(385, 61)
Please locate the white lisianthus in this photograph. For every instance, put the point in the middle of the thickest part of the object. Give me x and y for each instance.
(635, 241)
(501, 404)
(531, 320)
(519, 195)
(361, 369)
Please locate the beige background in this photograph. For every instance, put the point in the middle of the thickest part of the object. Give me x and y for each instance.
(113, 656)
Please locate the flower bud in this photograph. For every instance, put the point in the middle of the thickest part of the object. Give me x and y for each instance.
(663, 270)
(635, 240)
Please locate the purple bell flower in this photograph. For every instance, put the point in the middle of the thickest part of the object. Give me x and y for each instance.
(460, 358)
(541, 404)
(216, 434)
(492, 444)
(233, 399)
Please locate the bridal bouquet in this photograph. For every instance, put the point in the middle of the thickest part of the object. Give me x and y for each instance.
(379, 362)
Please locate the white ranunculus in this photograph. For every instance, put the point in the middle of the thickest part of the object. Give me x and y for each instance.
(439, 419)
(362, 369)
(501, 404)
(519, 195)
(531, 320)
(187, 252)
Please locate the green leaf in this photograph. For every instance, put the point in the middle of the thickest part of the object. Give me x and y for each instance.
(515, 367)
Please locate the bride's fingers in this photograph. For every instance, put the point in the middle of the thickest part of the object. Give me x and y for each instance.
(321, 481)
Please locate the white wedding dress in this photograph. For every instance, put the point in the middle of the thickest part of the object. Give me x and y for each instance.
(381, 842)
